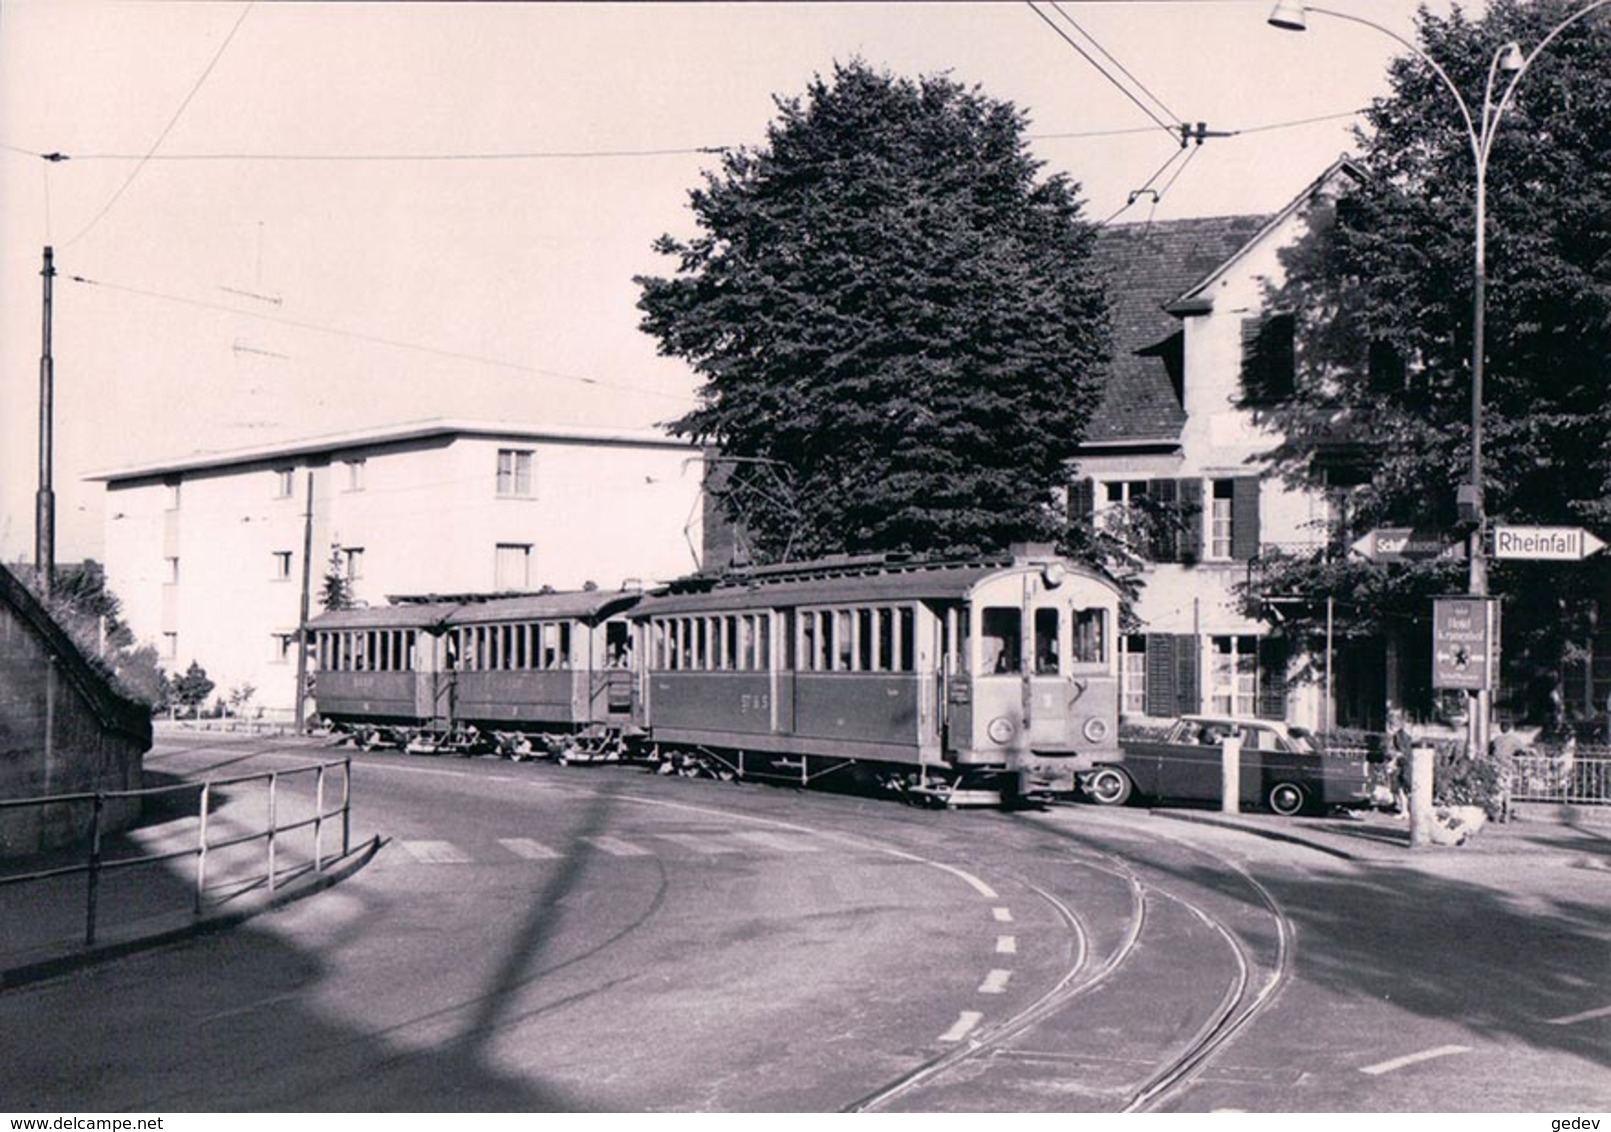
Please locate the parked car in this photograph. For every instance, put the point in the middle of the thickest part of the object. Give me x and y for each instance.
(1280, 767)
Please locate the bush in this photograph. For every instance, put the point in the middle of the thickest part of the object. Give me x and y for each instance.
(1459, 781)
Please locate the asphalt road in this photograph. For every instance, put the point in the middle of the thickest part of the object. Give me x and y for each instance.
(534, 937)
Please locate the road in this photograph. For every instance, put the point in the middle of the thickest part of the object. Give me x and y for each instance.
(534, 937)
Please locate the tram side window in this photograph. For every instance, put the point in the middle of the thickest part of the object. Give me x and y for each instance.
(1047, 653)
(808, 641)
(845, 657)
(906, 658)
(763, 642)
(1001, 639)
(1090, 636)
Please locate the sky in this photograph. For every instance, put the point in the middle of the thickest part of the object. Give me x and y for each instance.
(277, 221)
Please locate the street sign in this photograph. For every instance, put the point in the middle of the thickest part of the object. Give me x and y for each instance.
(1409, 544)
(1557, 544)
(1465, 642)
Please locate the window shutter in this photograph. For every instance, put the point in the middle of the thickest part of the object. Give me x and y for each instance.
(1188, 686)
(1272, 702)
(1189, 547)
(1269, 364)
(1165, 537)
(1245, 518)
(1081, 500)
(1160, 693)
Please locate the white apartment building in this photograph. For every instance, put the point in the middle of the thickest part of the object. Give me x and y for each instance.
(1175, 427)
(206, 552)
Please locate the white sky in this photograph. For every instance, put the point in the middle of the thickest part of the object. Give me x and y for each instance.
(512, 276)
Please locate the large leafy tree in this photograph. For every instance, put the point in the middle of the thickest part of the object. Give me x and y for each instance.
(1381, 292)
(896, 319)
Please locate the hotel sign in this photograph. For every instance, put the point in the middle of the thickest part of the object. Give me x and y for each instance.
(1558, 544)
(1465, 642)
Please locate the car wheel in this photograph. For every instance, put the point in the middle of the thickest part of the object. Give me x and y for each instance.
(1109, 786)
(1287, 798)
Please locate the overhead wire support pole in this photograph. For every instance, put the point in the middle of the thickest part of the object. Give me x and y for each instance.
(45, 503)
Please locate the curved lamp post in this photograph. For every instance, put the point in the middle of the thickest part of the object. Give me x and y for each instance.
(1508, 60)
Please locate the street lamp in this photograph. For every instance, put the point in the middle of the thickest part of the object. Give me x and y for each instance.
(1292, 15)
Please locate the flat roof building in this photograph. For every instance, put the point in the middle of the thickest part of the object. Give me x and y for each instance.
(206, 551)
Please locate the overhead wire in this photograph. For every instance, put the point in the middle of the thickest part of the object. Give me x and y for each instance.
(1166, 127)
(377, 339)
(173, 121)
(1106, 54)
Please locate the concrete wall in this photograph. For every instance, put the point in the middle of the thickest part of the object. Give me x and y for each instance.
(63, 730)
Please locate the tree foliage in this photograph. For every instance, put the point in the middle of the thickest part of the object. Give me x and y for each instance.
(1382, 288)
(335, 589)
(896, 320)
(191, 689)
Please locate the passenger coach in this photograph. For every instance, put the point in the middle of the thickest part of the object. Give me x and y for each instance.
(989, 677)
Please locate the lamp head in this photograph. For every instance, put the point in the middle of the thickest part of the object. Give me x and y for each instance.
(1511, 59)
(1289, 15)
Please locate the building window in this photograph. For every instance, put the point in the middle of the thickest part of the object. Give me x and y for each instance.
(282, 566)
(514, 471)
(1221, 519)
(1118, 504)
(1233, 676)
(513, 567)
(171, 490)
(1133, 674)
(170, 646)
(353, 560)
(355, 474)
(170, 571)
(284, 482)
(1269, 366)
(283, 650)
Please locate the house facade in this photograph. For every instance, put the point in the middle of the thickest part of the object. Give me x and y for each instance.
(1177, 442)
(211, 555)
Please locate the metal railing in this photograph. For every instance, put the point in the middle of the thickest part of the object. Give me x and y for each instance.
(206, 791)
(1581, 777)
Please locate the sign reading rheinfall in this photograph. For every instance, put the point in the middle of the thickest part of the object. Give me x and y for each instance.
(1465, 642)
(1558, 544)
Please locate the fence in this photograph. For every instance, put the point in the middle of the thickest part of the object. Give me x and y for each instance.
(1580, 777)
(205, 843)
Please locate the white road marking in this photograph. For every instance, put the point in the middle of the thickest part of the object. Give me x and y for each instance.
(529, 849)
(615, 847)
(995, 982)
(1583, 1017)
(965, 1022)
(435, 852)
(973, 882)
(701, 843)
(1003, 915)
(1412, 1059)
(782, 842)
(1006, 945)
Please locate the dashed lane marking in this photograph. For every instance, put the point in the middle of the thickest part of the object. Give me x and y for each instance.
(1571, 1019)
(435, 852)
(615, 847)
(530, 850)
(1003, 915)
(965, 1022)
(995, 982)
(1412, 1059)
(1006, 945)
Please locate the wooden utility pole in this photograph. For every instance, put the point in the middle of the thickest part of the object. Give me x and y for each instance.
(45, 503)
(302, 619)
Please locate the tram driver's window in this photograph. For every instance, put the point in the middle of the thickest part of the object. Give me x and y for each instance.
(1090, 636)
(1046, 646)
(1000, 640)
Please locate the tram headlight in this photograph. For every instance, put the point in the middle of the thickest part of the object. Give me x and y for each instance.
(1001, 729)
(1096, 729)
(1053, 574)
